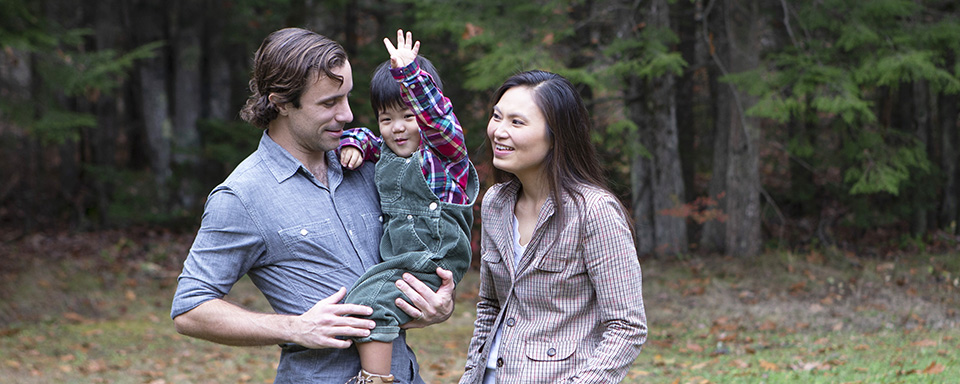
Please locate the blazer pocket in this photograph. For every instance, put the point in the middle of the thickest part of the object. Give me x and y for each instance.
(565, 258)
(549, 350)
(552, 264)
(491, 257)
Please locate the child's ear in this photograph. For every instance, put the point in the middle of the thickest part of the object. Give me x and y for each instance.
(275, 100)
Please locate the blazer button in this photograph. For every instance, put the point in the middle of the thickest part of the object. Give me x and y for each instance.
(499, 362)
(511, 322)
(552, 352)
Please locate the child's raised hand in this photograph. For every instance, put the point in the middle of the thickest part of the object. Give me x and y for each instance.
(405, 51)
(350, 157)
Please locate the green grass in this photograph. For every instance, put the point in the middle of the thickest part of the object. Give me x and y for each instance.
(780, 318)
(776, 357)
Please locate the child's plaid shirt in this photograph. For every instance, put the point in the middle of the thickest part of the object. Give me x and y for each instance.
(445, 162)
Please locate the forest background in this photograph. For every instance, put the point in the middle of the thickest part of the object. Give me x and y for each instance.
(726, 126)
(791, 168)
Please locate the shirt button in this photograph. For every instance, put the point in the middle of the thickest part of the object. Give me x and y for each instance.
(552, 352)
(409, 217)
(511, 322)
(407, 160)
(380, 218)
(304, 232)
(433, 206)
(412, 86)
(499, 362)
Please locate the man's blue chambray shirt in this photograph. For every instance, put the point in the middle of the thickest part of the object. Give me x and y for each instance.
(299, 241)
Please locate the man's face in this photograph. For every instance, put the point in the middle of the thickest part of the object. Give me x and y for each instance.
(317, 125)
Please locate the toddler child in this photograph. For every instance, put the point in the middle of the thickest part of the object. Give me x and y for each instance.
(427, 187)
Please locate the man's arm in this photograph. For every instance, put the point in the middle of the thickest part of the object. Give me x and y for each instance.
(222, 322)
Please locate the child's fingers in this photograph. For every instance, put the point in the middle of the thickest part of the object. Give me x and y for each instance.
(356, 163)
(389, 44)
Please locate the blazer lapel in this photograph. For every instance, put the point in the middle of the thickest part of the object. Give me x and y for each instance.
(543, 237)
(502, 230)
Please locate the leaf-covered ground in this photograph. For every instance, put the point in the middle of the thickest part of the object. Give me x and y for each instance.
(94, 308)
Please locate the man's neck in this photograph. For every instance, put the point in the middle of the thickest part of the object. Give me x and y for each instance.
(314, 162)
(319, 170)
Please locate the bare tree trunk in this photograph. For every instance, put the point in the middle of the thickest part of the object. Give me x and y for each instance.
(641, 190)
(950, 161)
(149, 19)
(656, 177)
(102, 140)
(17, 147)
(218, 83)
(688, 118)
(712, 238)
(921, 125)
(186, 139)
(741, 25)
(69, 189)
(670, 232)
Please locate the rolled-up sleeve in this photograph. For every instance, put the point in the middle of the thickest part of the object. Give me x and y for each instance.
(226, 247)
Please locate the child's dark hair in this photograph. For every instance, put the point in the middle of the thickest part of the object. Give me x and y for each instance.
(384, 90)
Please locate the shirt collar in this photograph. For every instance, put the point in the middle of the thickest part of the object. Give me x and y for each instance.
(283, 165)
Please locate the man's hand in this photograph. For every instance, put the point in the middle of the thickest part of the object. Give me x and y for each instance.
(428, 307)
(405, 52)
(350, 157)
(320, 326)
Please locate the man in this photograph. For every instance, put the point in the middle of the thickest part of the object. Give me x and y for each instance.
(299, 225)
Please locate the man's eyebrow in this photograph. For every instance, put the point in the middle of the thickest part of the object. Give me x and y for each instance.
(334, 97)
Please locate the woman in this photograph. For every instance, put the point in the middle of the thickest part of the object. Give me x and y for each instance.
(560, 290)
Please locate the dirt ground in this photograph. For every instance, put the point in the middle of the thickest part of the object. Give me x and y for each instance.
(128, 277)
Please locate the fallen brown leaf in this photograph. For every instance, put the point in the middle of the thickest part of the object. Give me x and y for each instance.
(74, 317)
(767, 326)
(884, 267)
(934, 368)
(768, 365)
(739, 364)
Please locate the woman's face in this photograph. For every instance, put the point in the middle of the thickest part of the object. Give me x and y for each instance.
(518, 133)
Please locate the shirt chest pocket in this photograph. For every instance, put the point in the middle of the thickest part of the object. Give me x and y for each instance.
(315, 243)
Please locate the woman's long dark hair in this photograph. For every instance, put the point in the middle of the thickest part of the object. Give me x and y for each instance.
(572, 159)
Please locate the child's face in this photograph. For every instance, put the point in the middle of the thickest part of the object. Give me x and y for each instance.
(399, 130)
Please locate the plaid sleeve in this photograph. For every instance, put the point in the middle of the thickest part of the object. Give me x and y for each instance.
(439, 125)
(364, 140)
